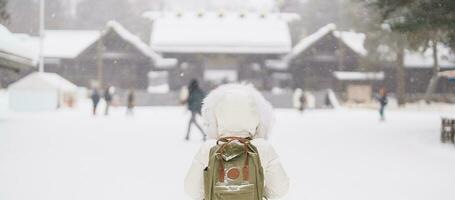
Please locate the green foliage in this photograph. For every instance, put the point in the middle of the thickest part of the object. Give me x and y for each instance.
(381, 44)
(4, 15)
(421, 21)
(318, 13)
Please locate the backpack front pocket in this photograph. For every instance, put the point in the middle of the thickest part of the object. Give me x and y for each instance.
(235, 192)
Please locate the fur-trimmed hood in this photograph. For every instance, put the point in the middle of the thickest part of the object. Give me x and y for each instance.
(259, 106)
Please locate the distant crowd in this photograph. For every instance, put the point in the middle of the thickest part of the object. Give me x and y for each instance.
(108, 96)
(192, 96)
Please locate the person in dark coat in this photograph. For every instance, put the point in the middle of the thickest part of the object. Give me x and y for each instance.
(108, 99)
(302, 102)
(383, 101)
(130, 103)
(95, 96)
(327, 101)
(194, 103)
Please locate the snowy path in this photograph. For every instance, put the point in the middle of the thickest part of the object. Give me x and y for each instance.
(329, 155)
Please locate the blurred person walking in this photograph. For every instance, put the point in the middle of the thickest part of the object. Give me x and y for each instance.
(108, 98)
(130, 102)
(383, 101)
(299, 99)
(195, 95)
(327, 101)
(95, 96)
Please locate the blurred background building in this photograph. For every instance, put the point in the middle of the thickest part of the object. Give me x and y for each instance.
(157, 47)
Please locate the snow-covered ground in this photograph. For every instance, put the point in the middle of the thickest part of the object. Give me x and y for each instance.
(328, 154)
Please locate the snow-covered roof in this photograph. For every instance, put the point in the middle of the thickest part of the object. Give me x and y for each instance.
(211, 32)
(130, 38)
(419, 59)
(13, 49)
(62, 43)
(309, 40)
(358, 76)
(139, 44)
(44, 80)
(353, 40)
(448, 74)
(68, 44)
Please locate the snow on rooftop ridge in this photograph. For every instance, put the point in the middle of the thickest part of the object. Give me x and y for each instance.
(310, 40)
(61, 43)
(15, 49)
(139, 44)
(353, 40)
(203, 15)
(131, 38)
(358, 76)
(68, 43)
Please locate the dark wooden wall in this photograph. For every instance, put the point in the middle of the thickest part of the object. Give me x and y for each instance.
(313, 69)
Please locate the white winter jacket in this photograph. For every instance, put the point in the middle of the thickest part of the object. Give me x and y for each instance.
(238, 110)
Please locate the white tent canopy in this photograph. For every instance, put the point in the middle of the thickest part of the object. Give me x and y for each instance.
(39, 92)
(46, 80)
(211, 32)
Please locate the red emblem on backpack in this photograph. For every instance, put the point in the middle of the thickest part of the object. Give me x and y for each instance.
(233, 173)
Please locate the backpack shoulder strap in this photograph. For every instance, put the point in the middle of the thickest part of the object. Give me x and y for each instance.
(226, 141)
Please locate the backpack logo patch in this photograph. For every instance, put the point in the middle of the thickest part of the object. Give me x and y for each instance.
(233, 173)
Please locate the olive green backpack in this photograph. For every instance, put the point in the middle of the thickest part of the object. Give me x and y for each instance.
(234, 171)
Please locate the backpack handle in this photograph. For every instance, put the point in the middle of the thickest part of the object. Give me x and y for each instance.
(220, 151)
(233, 138)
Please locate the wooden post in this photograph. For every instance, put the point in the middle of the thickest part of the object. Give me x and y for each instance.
(99, 60)
(41, 36)
(401, 75)
(341, 50)
(265, 75)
